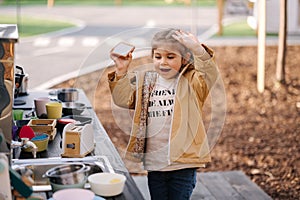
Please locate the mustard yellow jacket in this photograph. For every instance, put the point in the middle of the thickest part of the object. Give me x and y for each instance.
(188, 141)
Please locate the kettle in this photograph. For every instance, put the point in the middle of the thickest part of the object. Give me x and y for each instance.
(21, 81)
(24, 85)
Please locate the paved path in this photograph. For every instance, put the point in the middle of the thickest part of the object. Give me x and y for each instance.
(45, 58)
(52, 58)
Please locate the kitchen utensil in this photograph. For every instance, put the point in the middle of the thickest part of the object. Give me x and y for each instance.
(19, 75)
(18, 184)
(54, 110)
(40, 105)
(24, 86)
(18, 114)
(78, 141)
(26, 132)
(80, 120)
(107, 184)
(95, 198)
(68, 174)
(67, 94)
(55, 187)
(21, 123)
(73, 108)
(21, 82)
(61, 123)
(41, 141)
(73, 194)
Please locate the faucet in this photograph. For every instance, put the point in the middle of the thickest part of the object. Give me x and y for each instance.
(24, 143)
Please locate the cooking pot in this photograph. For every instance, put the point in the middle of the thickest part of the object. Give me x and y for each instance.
(67, 94)
(73, 108)
(69, 174)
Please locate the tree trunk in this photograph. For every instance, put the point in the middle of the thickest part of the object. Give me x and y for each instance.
(50, 3)
(280, 68)
(220, 16)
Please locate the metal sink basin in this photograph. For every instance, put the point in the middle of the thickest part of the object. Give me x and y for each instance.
(38, 168)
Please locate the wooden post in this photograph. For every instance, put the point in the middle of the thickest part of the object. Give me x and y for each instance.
(50, 3)
(118, 2)
(261, 47)
(194, 17)
(187, 2)
(280, 68)
(220, 16)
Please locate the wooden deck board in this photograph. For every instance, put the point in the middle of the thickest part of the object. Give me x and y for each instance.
(243, 185)
(218, 186)
(201, 192)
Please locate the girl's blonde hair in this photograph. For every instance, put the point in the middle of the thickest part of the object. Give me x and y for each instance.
(166, 37)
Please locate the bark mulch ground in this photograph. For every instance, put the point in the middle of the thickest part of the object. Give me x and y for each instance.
(261, 133)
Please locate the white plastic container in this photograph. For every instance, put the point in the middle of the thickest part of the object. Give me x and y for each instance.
(107, 184)
(73, 194)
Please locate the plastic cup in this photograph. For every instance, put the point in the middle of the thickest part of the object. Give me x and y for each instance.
(40, 105)
(18, 114)
(54, 110)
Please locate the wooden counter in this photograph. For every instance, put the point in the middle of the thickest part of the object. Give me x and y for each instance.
(104, 146)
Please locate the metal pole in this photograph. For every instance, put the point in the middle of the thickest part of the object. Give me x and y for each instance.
(194, 17)
(19, 16)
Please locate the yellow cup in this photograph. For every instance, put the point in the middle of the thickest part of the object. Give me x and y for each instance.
(54, 110)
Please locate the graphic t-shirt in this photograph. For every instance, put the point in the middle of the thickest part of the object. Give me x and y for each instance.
(160, 112)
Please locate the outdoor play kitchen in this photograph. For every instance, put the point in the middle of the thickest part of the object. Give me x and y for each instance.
(52, 145)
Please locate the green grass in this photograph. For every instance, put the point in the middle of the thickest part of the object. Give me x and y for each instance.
(238, 29)
(29, 26)
(112, 2)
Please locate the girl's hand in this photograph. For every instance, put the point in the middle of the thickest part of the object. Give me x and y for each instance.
(122, 63)
(190, 41)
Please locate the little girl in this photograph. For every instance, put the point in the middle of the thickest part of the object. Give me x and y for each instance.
(168, 133)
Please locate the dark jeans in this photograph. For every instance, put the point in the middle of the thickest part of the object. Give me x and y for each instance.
(172, 185)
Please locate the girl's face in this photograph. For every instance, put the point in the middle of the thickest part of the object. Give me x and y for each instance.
(167, 62)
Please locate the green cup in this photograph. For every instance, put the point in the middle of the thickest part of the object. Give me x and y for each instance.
(18, 114)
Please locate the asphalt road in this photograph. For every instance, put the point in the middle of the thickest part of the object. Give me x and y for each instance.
(51, 58)
(55, 57)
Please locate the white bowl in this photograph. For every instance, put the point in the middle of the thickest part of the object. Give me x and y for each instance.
(73, 194)
(107, 184)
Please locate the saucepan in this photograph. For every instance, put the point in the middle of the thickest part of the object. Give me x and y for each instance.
(72, 108)
(67, 94)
